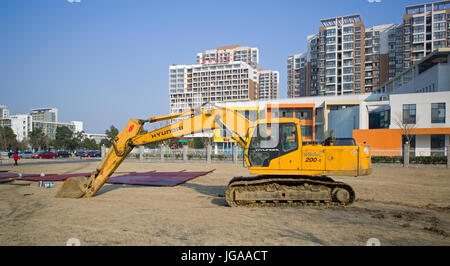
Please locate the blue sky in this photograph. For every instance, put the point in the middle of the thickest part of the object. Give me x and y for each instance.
(104, 62)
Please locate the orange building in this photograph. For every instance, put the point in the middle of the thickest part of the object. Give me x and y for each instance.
(388, 142)
(304, 112)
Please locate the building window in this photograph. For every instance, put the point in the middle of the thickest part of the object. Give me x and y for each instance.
(409, 114)
(286, 113)
(418, 20)
(418, 38)
(306, 131)
(303, 114)
(438, 113)
(437, 145)
(379, 120)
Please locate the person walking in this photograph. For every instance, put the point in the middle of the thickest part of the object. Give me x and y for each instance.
(16, 158)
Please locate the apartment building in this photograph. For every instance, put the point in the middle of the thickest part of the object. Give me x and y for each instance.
(303, 70)
(228, 73)
(21, 125)
(312, 59)
(4, 112)
(45, 114)
(268, 84)
(297, 70)
(193, 85)
(230, 54)
(47, 120)
(341, 55)
(431, 74)
(353, 59)
(426, 28)
(395, 50)
(380, 49)
(298, 77)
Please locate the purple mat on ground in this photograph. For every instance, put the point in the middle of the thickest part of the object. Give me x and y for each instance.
(14, 175)
(168, 179)
(52, 177)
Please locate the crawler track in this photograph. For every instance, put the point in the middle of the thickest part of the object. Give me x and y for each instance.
(287, 191)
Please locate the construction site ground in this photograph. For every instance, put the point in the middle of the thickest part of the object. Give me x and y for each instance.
(398, 206)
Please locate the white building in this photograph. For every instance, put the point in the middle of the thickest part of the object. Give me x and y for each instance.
(431, 74)
(45, 114)
(4, 112)
(193, 85)
(376, 119)
(97, 137)
(268, 84)
(230, 54)
(78, 126)
(427, 116)
(21, 124)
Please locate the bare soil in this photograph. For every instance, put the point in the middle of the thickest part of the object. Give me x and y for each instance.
(398, 206)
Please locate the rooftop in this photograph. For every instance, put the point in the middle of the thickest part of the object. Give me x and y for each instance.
(341, 20)
(439, 5)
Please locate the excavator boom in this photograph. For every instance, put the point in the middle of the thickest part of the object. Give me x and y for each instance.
(198, 120)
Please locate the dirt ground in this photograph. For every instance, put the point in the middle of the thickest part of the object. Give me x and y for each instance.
(395, 205)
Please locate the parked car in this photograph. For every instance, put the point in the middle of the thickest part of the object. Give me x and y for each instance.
(80, 153)
(95, 154)
(45, 155)
(10, 154)
(25, 154)
(87, 154)
(63, 154)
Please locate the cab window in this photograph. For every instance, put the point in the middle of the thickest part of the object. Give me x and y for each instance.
(289, 141)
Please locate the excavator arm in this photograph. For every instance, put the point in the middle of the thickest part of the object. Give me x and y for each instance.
(198, 120)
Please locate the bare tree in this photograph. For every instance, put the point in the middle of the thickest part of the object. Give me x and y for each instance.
(405, 127)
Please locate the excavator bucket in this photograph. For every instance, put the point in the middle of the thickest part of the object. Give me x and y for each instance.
(74, 187)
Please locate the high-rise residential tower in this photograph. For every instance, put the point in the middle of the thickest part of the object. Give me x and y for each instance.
(381, 48)
(194, 85)
(341, 55)
(297, 69)
(228, 73)
(268, 82)
(426, 28)
(229, 54)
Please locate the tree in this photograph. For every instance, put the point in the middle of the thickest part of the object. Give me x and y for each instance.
(22, 145)
(406, 127)
(90, 144)
(111, 134)
(36, 138)
(105, 142)
(45, 143)
(8, 139)
(77, 140)
(64, 138)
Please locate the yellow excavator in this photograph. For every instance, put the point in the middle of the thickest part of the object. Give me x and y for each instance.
(287, 173)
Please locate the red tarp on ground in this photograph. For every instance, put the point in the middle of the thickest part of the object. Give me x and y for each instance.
(169, 179)
(14, 175)
(53, 177)
(144, 179)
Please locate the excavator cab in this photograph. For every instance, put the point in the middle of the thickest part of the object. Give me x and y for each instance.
(272, 140)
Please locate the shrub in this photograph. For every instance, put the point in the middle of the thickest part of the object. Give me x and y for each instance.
(413, 160)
